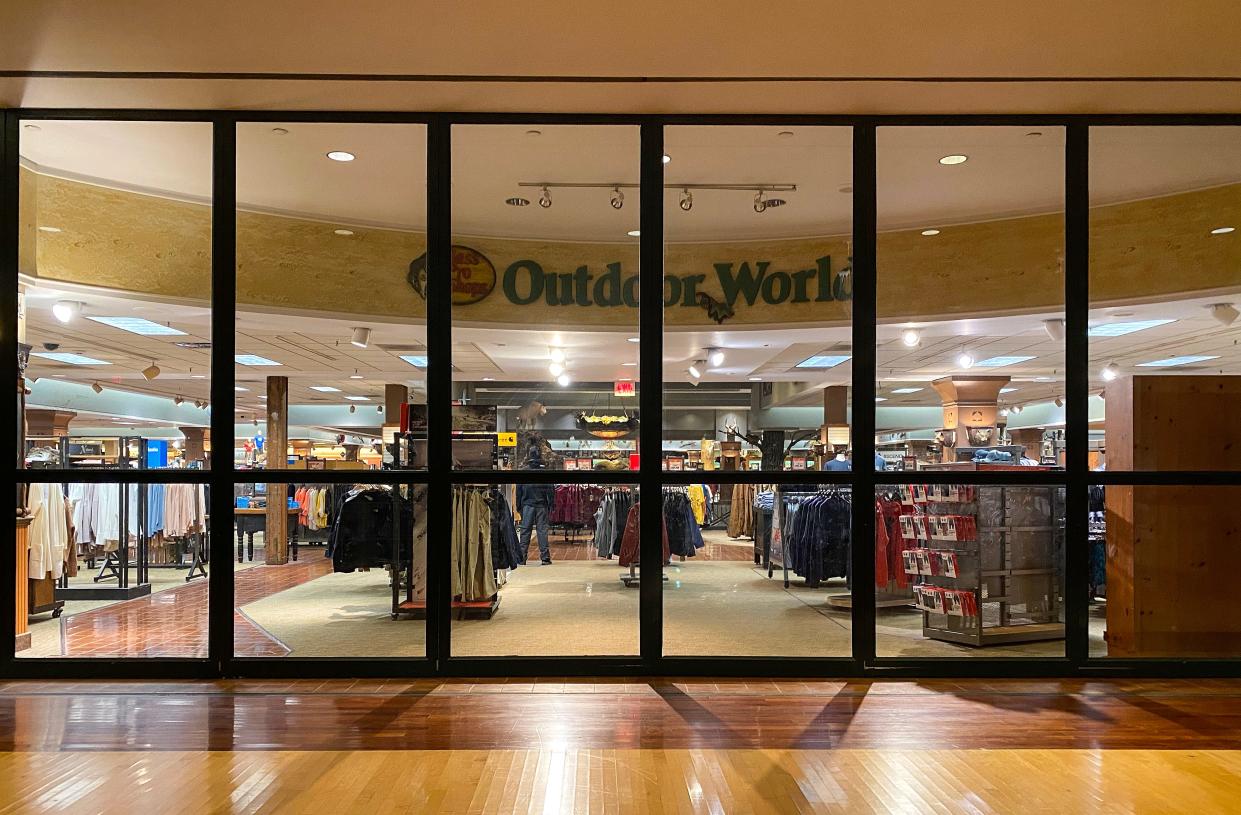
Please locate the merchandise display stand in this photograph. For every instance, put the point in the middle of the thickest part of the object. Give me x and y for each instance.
(1007, 563)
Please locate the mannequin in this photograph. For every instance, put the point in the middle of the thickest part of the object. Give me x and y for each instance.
(839, 463)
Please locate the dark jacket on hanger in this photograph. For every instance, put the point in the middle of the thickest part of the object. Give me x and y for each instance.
(362, 536)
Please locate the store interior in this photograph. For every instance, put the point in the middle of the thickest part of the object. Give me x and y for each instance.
(330, 372)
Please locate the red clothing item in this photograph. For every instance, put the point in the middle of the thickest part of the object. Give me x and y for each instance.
(890, 544)
(629, 551)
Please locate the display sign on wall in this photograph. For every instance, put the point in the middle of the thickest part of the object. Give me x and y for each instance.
(623, 388)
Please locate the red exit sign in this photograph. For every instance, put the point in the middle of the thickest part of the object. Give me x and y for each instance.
(624, 387)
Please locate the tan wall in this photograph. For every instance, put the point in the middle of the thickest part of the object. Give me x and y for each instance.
(133, 242)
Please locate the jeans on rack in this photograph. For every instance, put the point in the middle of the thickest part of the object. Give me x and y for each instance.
(535, 516)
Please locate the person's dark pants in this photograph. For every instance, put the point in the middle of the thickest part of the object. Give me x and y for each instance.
(535, 516)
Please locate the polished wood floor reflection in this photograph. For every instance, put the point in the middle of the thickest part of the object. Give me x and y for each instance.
(617, 745)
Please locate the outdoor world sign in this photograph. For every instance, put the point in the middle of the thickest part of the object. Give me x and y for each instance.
(726, 286)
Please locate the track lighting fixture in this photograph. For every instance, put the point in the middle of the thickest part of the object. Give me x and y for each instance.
(759, 204)
(964, 360)
(555, 369)
(1017, 408)
(545, 198)
(1110, 371)
(687, 200)
(66, 310)
(353, 408)
(556, 355)
(1224, 313)
(1059, 401)
(563, 380)
(715, 356)
(910, 338)
(256, 421)
(694, 369)
(1054, 329)
(361, 337)
(97, 388)
(617, 199)
(177, 400)
(379, 408)
(151, 371)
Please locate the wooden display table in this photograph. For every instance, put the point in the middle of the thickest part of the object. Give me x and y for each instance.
(254, 519)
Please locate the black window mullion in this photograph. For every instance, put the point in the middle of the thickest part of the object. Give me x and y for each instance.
(862, 435)
(650, 370)
(223, 346)
(1077, 384)
(439, 389)
(8, 346)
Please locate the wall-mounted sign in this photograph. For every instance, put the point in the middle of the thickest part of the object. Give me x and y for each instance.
(506, 439)
(624, 387)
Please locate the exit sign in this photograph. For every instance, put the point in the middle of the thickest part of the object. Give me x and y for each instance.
(624, 387)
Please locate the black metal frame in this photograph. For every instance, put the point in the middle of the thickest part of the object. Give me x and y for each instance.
(440, 478)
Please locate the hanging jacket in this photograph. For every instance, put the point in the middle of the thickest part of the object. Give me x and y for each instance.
(362, 536)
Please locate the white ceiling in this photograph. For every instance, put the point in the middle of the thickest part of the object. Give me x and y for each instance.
(1011, 171)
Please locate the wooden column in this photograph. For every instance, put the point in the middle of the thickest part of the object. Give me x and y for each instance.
(45, 422)
(275, 534)
(969, 402)
(195, 449)
(1172, 550)
(22, 608)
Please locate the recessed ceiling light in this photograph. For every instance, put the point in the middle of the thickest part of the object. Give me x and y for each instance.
(324, 389)
(629, 364)
(906, 390)
(489, 379)
(534, 132)
(847, 188)
(785, 134)
(517, 201)
(358, 398)
(965, 361)
(1223, 230)
(1035, 133)
(1000, 362)
(667, 158)
(32, 127)
(341, 155)
(955, 158)
(1170, 362)
(52, 229)
(634, 233)
(68, 358)
(415, 360)
(204, 376)
(881, 398)
(240, 389)
(822, 361)
(756, 379)
(137, 325)
(356, 376)
(342, 232)
(910, 338)
(930, 233)
(66, 310)
(1121, 329)
(253, 359)
(280, 131)
(634, 339)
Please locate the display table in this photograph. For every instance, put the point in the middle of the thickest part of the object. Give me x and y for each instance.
(250, 520)
(21, 624)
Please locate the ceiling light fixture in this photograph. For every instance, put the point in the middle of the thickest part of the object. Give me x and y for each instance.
(66, 310)
(151, 371)
(52, 230)
(545, 198)
(759, 204)
(248, 359)
(965, 361)
(517, 201)
(667, 158)
(534, 132)
(344, 233)
(785, 134)
(280, 131)
(341, 155)
(563, 380)
(775, 202)
(1223, 230)
(138, 325)
(930, 233)
(617, 198)
(324, 389)
(1059, 401)
(715, 356)
(555, 369)
(756, 379)
(634, 340)
(361, 337)
(910, 338)
(687, 200)
(355, 374)
(694, 370)
(955, 158)
(1224, 313)
(1110, 371)
(1054, 329)
(353, 408)
(177, 400)
(634, 233)
(97, 388)
(556, 355)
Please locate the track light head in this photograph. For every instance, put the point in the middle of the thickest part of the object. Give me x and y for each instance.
(1224, 313)
(361, 337)
(151, 371)
(1059, 401)
(1054, 329)
(545, 198)
(617, 198)
(353, 408)
(715, 356)
(694, 369)
(687, 200)
(965, 360)
(66, 310)
(1110, 371)
(97, 388)
(760, 205)
(910, 338)
(563, 380)
(177, 400)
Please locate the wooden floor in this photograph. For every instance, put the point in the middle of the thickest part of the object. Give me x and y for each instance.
(621, 746)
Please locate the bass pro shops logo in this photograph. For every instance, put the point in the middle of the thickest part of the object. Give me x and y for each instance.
(473, 276)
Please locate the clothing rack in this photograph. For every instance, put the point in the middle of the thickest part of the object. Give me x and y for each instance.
(780, 526)
(117, 563)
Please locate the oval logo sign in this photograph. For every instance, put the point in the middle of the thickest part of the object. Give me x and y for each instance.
(473, 276)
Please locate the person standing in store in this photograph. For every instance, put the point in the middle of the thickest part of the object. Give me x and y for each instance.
(536, 502)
